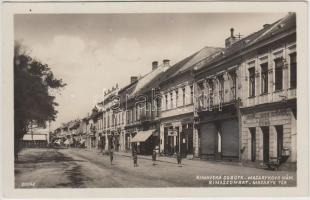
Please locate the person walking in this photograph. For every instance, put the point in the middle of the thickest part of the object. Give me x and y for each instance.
(111, 155)
(154, 157)
(179, 158)
(135, 157)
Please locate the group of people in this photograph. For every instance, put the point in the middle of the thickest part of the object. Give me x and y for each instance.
(135, 157)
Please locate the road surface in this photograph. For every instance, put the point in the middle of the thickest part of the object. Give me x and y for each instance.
(80, 168)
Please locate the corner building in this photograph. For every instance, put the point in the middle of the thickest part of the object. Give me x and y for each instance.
(245, 98)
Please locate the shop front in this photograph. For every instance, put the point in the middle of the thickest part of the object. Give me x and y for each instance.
(177, 136)
(269, 134)
(145, 141)
(219, 134)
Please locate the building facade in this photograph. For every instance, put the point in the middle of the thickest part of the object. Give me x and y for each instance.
(246, 97)
(177, 94)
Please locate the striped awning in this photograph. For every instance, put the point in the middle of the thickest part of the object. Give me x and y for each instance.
(142, 136)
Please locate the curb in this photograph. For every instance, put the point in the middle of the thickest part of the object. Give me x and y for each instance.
(148, 159)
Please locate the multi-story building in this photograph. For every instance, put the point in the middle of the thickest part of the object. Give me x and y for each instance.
(112, 136)
(176, 120)
(142, 105)
(246, 97)
(268, 109)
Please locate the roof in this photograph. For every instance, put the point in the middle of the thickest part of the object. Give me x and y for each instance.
(191, 61)
(127, 90)
(286, 23)
(147, 79)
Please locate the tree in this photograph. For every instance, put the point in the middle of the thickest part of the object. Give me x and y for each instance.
(33, 102)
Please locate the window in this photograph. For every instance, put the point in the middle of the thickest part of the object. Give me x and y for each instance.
(183, 96)
(293, 70)
(176, 98)
(138, 111)
(202, 94)
(221, 88)
(127, 116)
(157, 107)
(251, 82)
(104, 122)
(166, 98)
(134, 114)
(171, 100)
(278, 73)
(211, 89)
(233, 88)
(264, 78)
(192, 94)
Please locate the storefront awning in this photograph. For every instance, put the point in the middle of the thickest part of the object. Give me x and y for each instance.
(142, 136)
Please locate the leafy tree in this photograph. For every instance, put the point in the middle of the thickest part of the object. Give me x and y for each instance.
(33, 102)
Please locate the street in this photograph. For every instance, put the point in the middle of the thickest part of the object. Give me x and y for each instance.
(81, 168)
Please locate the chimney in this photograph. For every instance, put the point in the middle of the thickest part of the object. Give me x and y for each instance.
(266, 25)
(231, 32)
(154, 65)
(232, 39)
(166, 63)
(133, 79)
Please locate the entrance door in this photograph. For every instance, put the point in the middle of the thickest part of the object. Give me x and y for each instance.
(279, 130)
(265, 131)
(190, 139)
(170, 145)
(166, 147)
(253, 144)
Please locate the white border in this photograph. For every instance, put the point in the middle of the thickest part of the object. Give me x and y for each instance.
(9, 9)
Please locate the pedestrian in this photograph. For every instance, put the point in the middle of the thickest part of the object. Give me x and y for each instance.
(179, 158)
(135, 157)
(111, 156)
(154, 157)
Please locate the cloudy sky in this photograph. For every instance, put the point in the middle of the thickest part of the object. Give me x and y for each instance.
(93, 52)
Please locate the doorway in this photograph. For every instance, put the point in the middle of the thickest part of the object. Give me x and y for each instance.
(265, 130)
(253, 144)
(279, 130)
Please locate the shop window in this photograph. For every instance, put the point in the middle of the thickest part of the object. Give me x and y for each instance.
(279, 73)
(264, 78)
(293, 70)
(251, 82)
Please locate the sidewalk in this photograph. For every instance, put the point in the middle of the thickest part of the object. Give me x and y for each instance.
(172, 159)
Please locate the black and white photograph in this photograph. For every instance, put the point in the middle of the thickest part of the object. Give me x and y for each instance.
(155, 100)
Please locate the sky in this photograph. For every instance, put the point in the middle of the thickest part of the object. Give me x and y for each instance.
(93, 52)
